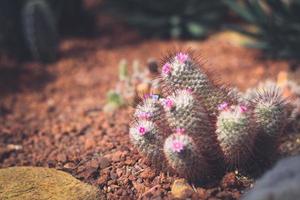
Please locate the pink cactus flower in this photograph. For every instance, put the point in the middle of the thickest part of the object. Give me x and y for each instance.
(189, 90)
(146, 96)
(223, 106)
(144, 115)
(166, 69)
(181, 57)
(142, 130)
(180, 130)
(169, 103)
(243, 109)
(177, 146)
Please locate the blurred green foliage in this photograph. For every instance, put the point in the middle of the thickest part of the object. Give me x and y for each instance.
(275, 24)
(170, 18)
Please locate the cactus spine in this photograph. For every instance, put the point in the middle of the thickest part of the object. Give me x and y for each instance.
(204, 127)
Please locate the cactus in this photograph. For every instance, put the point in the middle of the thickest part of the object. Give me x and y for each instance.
(40, 30)
(204, 127)
(235, 130)
(183, 155)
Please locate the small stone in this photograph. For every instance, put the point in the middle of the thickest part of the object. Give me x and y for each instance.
(181, 189)
(104, 162)
(147, 173)
(230, 181)
(140, 188)
(61, 157)
(116, 156)
(102, 179)
(119, 172)
(69, 165)
(89, 143)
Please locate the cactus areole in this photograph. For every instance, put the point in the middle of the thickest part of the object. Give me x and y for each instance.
(198, 126)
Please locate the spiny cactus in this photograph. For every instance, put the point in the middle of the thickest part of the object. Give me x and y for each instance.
(40, 30)
(199, 128)
(236, 133)
(183, 155)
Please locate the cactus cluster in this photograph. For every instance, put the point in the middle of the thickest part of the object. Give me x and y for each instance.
(199, 128)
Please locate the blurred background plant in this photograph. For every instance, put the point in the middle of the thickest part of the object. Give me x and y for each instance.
(133, 84)
(170, 18)
(30, 28)
(274, 24)
(270, 25)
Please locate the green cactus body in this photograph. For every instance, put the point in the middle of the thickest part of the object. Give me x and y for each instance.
(145, 136)
(200, 129)
(182, 155)
(271, 117)
(181, 71)
(40, 30)
(185, 114)
(150, 109)
(236, 133)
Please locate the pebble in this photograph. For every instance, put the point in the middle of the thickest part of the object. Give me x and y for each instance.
(147, 173)
(181, 189)
(230, 181)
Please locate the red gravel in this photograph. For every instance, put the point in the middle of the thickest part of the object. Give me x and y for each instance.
(52, 115)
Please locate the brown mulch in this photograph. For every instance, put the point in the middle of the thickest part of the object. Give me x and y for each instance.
(52, 115)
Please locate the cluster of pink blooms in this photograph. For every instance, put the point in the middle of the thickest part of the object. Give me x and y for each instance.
(180, 57)
(225, 106)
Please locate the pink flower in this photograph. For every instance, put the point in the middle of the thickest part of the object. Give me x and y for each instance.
(146, 96)
(169, 103)
(180, 130)
(166, 69)
(181, 57)
(223, 106)
(142, 130)
(243, 109)
(177, 146)
(144, 115)
(189, 90)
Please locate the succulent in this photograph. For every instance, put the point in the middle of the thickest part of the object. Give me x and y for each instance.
(273, 23)
(131, 87)
(199, 128)
(30, 28)
(169, 18)
(40, 30)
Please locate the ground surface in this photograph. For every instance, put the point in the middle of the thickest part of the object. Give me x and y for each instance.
(52, 115)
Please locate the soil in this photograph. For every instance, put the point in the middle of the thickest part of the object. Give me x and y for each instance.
(52, 115)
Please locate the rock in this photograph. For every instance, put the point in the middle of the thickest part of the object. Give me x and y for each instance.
(281, 182)
(181, 189)
(104, 162)
(27, 183)
(147, 173)
(230, 181)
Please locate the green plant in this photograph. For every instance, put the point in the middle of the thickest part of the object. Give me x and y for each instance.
(40, 30)
(169, 18)
(275, 24)
(201, 126)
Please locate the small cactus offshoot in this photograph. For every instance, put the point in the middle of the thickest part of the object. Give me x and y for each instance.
(199, 128)
(131, 87)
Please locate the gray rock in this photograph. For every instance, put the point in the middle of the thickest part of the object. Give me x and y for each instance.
(280, 183)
